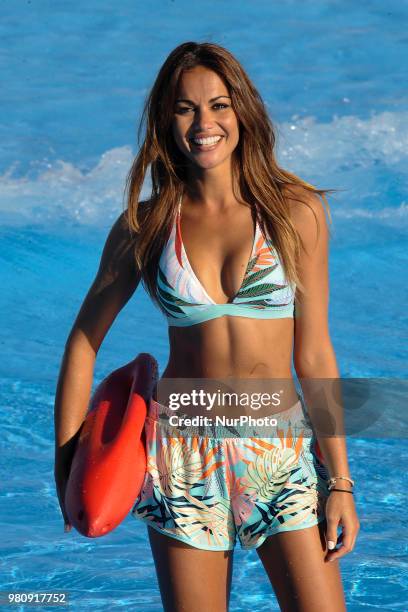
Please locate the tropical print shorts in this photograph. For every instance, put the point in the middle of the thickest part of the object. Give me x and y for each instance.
(208, 490)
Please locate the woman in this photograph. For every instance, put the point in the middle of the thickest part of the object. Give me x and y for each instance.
(233, 249)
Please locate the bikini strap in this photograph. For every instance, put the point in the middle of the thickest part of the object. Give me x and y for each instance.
(177, 212)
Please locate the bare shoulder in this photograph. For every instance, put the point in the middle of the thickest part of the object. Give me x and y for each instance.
(122, 241)
(118, 246)
(143, 210)
(117, 265)
(307, 213)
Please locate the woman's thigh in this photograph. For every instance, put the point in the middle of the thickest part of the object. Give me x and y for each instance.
(191, 579)
(301, 579)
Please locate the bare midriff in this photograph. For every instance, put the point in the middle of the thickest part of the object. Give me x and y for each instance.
(235, 347)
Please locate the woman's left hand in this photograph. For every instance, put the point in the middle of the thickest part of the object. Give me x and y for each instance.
(340, 510)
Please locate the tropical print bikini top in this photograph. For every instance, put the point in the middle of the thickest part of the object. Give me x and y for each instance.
(264, 292)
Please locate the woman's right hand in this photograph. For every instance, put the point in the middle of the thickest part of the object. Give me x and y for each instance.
(61, 474)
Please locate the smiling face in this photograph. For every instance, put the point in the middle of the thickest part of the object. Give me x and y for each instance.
(205, 127)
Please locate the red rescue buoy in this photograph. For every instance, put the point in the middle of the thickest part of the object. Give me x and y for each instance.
(109, 463)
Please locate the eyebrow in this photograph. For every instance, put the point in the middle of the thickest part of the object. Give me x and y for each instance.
(191, 102)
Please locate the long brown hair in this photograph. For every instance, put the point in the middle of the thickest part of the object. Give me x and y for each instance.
(262, 183)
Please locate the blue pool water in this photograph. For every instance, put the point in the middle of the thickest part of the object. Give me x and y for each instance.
(333, 75)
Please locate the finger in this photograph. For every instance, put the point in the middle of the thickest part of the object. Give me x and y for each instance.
(61, 499)
(331, 532)
(67, 522)
(346, 541)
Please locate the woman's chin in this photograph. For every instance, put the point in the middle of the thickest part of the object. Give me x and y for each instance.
(208, 163)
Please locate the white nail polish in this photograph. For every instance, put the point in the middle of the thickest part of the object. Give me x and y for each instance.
(331, 545)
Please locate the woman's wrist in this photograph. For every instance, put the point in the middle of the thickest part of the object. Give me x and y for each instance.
(340, 482)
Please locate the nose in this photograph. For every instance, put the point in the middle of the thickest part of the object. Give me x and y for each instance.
(203, 119)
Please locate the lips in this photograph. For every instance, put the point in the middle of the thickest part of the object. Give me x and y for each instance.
(203, 145)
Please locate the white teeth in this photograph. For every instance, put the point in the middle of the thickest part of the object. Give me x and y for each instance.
(207, 141)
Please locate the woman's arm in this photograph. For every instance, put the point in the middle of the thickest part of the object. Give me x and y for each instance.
(116, 280)
(315, 360)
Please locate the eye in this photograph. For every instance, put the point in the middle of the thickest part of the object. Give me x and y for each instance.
(182, 109)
